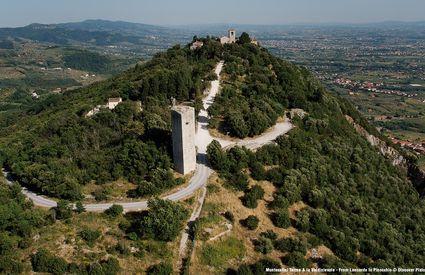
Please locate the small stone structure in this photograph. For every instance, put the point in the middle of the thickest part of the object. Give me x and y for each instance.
(183, 134)
(196, 45)
(230, 38)
(113, 102)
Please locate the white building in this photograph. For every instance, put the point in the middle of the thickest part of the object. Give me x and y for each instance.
(230, 38)
(113, 102)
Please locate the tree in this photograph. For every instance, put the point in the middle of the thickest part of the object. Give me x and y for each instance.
(90, 236)
(217, 157)
(244, 38)
(237, 124)
(252, 195)
(295, 259)
(110, 266)
(114, 211)
(263, 245)
(269, 234)
(251, 222)
(290, 245)
(63, 210)
(239, 181)
(303, 220)
(257, 171)
(43, 261)
(164, 220)
(281, 219)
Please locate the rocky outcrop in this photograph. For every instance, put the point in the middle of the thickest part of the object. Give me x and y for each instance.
(387, 151)
(416, 175)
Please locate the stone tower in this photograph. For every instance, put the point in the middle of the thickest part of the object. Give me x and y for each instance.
(232, 36)
(183, 127)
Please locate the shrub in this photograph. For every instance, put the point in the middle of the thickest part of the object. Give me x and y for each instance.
(213, 188)
(229, 216)
(252, 195)
(303, 220)
(251, 222)
(263, 245)
(257, 171)
(111, 266)
(90, 236)
(290, 245)
(244, 269)
(120, 248)
(63, 210)
(239, 181)
(160, 269)
(281, 219)
(164, 220)
(269, 234)
(43, 261)
(295, 259)
(10, 266)
(101, 195)
(114, 211)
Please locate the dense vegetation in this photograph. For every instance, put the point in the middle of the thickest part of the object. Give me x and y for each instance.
(87, 61)
(258, 89)
(17, 222)
(358, 204)
(51, 147)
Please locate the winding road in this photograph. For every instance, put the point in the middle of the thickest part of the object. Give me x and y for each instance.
(200, 178)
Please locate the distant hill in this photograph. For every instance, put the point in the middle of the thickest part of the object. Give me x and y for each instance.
(117, 26)
(63, 36)
(96, 33)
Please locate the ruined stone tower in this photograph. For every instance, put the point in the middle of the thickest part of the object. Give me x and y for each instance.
(183, 127)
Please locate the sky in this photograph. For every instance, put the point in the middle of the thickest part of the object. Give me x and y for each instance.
(15, 13)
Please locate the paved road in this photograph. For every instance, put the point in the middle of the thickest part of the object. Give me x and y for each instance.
(199, 179)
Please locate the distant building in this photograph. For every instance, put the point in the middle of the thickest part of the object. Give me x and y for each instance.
(230, 38)
(113, 102)
(196, 45)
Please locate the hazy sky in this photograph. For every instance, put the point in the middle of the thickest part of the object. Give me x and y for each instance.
(180, 12)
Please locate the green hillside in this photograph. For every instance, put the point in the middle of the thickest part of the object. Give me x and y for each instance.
(357, 204)
(53, 148)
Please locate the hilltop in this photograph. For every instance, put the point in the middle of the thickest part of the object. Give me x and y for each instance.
(321, 187)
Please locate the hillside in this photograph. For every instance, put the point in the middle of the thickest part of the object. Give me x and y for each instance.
(331, 187)
(111, 36)
(118, 26)
(322, 186)
(53, 148)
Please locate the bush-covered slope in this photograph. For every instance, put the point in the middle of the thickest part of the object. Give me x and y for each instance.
(358, 204)
(258, 88)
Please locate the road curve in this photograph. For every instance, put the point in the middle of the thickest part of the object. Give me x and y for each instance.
(199, 179)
